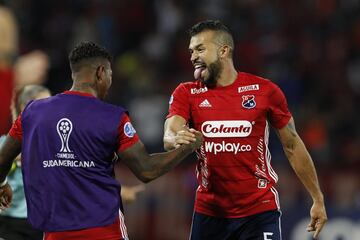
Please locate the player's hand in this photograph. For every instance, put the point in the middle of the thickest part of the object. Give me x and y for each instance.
(199, 139)
(129, 193)
(185, 136)
(318, 218)
(5, 196)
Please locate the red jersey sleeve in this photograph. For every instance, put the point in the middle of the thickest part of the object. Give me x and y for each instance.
(127, 134)
(279, 114)
(6, 90)
(16, 129)
(179, 103)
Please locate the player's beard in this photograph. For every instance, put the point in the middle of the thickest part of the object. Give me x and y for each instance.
(215, 70)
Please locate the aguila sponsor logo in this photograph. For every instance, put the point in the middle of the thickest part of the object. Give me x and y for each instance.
(253, 87)
(214, 129)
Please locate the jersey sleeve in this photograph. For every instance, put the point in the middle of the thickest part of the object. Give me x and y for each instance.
(127, 134)
(179, 103)
(279, 114)
(6, 89)
(16, 129)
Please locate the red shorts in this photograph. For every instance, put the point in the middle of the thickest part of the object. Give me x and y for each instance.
(115, 231)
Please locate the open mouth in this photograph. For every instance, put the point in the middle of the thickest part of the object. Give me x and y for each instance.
(198, 72)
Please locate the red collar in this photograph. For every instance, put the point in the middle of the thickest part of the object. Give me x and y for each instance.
(79, 93)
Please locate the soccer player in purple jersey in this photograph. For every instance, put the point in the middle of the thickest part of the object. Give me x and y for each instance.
(67, 143)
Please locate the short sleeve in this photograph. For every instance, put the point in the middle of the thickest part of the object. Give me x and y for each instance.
(16, 129)
(179, 103)
(279, 114)
(127, 134)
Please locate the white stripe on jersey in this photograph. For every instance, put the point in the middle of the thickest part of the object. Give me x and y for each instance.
(268, 155)
(276, 195)
(122, 226)
(280, 224)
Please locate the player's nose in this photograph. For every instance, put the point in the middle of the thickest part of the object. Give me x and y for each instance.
(193, 57)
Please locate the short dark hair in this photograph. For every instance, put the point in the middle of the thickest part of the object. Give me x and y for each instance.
(87, 50)
(213, 25)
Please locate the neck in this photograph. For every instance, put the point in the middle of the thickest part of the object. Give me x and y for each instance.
(228, 75)
(84, 86)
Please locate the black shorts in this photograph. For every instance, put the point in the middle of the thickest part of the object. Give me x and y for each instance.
(261, 226)
(18, 229)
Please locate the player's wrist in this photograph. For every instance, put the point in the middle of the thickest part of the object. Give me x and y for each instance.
(318, 199)
(187, 148)
(3, 183)
(169, 143)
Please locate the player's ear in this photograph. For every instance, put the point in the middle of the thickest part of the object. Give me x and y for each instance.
(99, 73)
(224, 51)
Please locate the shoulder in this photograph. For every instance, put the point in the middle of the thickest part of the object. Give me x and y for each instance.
(39, 103)
(76, 102)
(192, 84)
(117, 108)
(263, 84)
(191, 87)
(254, 78)
(105, 106)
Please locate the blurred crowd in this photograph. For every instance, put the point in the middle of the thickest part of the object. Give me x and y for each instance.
(311, 49)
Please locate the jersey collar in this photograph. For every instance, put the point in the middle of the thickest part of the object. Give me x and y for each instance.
(79, 93)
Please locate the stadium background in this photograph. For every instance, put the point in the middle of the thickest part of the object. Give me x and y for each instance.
(309, 48)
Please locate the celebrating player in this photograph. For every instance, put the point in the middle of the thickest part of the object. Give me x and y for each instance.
(236, 197)
(68, 143)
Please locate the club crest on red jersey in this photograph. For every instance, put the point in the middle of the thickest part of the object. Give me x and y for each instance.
(248, 101)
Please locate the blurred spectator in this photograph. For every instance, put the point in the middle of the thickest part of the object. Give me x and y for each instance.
(13, 222)
(8, 51)
(28, 69)
(345, 191)
(31, 68)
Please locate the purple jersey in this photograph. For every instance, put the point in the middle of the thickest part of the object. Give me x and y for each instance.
(68, 145)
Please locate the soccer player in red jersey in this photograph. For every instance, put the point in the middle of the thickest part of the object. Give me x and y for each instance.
(236, 197)
(67, 143)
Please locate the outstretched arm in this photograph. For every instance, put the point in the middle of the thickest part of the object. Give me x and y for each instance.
(177, 133)
(304, 168)
(148, 167)
(10, 148)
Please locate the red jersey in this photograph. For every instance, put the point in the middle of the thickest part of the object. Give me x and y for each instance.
(234, 170)
(6, 90)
